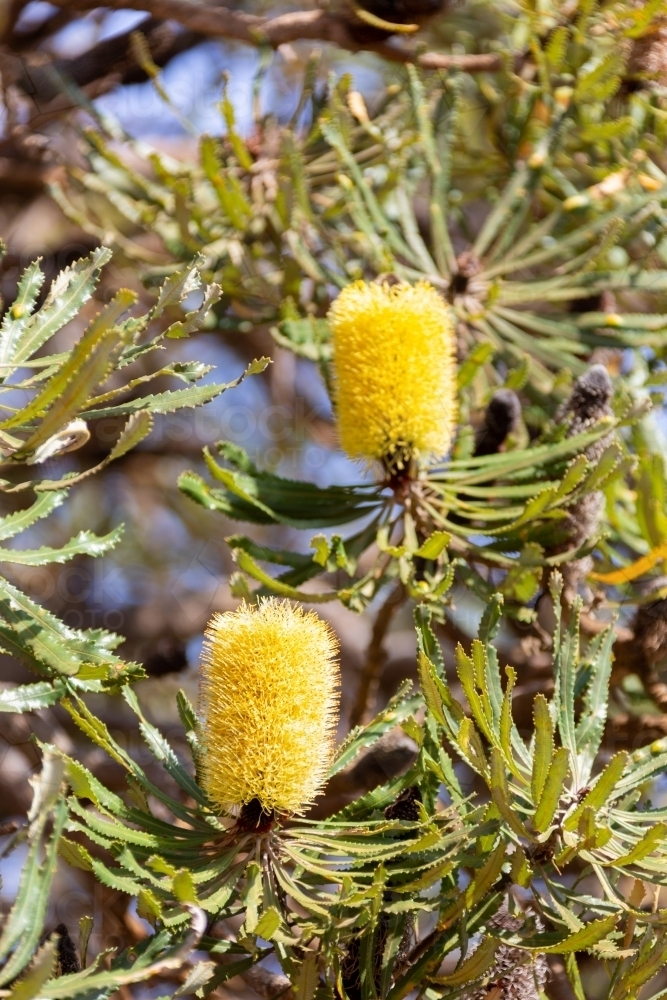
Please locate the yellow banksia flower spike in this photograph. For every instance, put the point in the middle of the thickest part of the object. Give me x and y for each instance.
(268, 704)
(395, 371)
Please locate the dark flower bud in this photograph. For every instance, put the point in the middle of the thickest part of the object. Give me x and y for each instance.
(167, 657)
(68, 960)
(406, 806)
(501, 418)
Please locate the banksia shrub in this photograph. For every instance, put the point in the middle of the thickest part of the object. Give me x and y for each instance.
(268, 707)
(395, 371)
(525, 238)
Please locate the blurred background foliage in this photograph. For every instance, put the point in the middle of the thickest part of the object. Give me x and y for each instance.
(513, 153)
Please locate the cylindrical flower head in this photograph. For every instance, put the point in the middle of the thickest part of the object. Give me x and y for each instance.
(268, 703)
(395, 371)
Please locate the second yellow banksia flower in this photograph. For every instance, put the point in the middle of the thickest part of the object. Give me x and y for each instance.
(395, 372)
(268, 706)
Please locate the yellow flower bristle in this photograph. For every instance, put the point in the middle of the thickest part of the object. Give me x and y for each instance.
(395, 370)
(268, 703)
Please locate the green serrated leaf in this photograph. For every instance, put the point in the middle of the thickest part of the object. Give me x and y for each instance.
(579, 940)
(14, 524)
(85, 543)
(552, 791)
(68, 292)
(67, 391)
(307, 978)
(268, 923)
(31, 697)
(603, 787)
(41, 970)
(481, 960)
(544, 746)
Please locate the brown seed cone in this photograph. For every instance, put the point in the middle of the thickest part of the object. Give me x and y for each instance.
(589, 403)
(351, 967)
(516, 975)
(648, 54)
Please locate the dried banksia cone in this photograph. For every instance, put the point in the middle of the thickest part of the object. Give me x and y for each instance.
(268, 707)
(516, 974)
(395, 372)
(588, 404)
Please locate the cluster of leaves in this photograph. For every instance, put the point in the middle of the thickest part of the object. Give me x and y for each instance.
(568, 260)
(310, 892)
(70, 391)
(67, 392)
(353, 195)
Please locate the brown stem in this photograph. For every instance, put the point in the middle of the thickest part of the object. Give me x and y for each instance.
(558, 988)
(267, 984)
(376, 656)
(468, 63)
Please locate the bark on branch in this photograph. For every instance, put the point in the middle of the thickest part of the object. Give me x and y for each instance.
(268, 984)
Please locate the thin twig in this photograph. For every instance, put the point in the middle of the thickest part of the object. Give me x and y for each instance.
(376, 656)
(486, 62)
(316, 25)
(593, 626)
